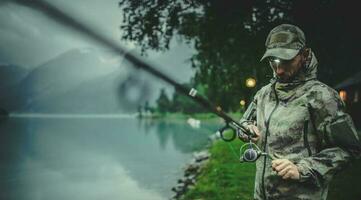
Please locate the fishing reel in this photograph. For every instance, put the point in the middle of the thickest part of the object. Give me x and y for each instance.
(250, 152)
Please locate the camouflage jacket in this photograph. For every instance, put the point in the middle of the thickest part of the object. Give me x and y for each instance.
(294, 120)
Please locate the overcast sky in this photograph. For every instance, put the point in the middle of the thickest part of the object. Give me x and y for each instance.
(29, 39)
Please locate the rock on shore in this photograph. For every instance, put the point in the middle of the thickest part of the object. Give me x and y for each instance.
(191, 172)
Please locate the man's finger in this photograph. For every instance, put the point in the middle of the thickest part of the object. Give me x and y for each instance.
(288, 175)
(244, 137)
(284, 171)
(282, 166)
(277, 162)
(255, 133)
(255, 130)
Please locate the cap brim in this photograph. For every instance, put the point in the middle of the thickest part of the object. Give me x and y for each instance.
(285, 54)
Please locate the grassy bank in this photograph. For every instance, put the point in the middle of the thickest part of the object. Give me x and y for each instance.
(224, 177)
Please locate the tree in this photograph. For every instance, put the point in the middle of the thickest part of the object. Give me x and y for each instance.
(163, 103)
(184, 104)
(229, 37)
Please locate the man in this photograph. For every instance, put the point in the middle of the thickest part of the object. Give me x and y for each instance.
(299, 122)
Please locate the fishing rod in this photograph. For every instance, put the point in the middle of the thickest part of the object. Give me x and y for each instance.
(251, 154)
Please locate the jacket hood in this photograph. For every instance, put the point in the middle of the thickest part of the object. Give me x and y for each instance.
(310, 70)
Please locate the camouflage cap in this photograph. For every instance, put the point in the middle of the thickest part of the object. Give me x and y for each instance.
(284, 41)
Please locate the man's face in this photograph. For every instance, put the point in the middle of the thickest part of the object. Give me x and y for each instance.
(286, 69)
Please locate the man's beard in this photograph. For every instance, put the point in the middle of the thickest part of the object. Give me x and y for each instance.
(291, 77)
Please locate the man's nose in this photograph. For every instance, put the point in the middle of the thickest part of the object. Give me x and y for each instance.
(280, 70)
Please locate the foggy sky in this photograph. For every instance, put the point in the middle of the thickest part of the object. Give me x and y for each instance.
(29, 39)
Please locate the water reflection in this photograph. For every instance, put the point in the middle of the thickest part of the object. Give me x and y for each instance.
(94, 158)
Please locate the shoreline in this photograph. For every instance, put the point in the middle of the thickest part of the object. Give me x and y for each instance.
(192, 170)
(218, 174)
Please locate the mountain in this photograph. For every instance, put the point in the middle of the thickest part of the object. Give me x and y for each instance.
(98, 96)
(10, 77)
(78, 81)
(65, 72)
(51, 87)
(81, 81)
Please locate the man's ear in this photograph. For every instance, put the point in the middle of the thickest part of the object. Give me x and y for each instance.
(305, 53)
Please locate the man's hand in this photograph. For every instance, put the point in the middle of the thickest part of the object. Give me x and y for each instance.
(254, 130)
(286, 169)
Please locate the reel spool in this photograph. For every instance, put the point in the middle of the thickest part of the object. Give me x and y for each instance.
(250, 152)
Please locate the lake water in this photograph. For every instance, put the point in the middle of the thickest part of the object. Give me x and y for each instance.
(80, 158)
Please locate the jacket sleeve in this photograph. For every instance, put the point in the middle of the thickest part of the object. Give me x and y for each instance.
(328, 113)
(249, 117)
(250, 114)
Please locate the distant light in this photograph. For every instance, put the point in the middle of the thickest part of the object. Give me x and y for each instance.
(242, 102)
(356, 97)
(343, 95)
(251, 82)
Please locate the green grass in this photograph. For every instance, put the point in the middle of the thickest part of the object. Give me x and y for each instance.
(224, 177)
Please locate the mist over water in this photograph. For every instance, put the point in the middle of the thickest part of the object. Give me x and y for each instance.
(48, 157)
(57, 116)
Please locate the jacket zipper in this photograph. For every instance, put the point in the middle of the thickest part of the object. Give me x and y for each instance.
(305, 138)
(265, 143)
